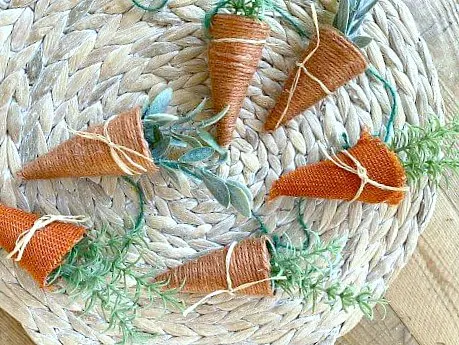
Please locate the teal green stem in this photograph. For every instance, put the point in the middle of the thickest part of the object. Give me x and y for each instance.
(150, 8)
(390, 124)
(141, 215)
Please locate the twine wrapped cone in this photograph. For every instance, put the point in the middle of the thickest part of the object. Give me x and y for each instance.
(250, 262)
(336, 61)
(326, 180)
(234, 52)
(82, 157)
(47, 248)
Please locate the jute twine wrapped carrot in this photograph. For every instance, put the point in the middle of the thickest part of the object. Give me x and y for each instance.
(367, 172)
(234, 52)
(45, 247)
(330, 61)
(249, 263)
(116, 148)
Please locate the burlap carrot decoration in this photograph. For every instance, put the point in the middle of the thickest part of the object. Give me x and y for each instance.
(332, 59)
(368, 172)
(121, 150)
(38, 244)
(236, 44)
(139, 142)
(257, 266)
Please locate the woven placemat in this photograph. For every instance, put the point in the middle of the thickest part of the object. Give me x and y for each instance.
(69, 63)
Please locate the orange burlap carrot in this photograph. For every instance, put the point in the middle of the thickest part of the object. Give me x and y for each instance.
(327, 180)
(336, 61)
(234, 52)
(250, 262)
(46, 249)
(81, 157)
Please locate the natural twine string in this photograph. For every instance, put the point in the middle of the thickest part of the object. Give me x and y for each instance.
(117, 150)
(230, 290)
(302, 68)
(361, 172)
(24, 238)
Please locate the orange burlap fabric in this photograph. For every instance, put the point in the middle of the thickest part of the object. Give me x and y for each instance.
(81, 157)
(336, 61)
(325, 180)
(250, 262)
(46, 249)
(232, 65)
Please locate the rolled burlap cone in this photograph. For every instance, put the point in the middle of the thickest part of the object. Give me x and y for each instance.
(82, 157)
(47, 248)
(326, 180)
(336, 61)
(234, 53)
(250, 262)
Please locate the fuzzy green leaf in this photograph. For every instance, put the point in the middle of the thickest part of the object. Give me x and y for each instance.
(362, 41)
(341, 21)
(241, 197)
(192, 114)
(161, 119)
(210, 140)
(217, 187)
(187, 139)
(161, 148)
(197, 155)
(214, 119)
(160, 103)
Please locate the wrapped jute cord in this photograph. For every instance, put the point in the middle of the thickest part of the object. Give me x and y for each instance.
(115, 148)
(378, 176)
(40, 243)
(360, 171)
(245, 270)
(330, 61)
(230, 290)
(40, 224)
(234, 52)
(302, 68)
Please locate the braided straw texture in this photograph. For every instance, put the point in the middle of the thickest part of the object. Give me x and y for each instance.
(326, 180)
(336, 61)
(249, 263)
(46, 249)
(232, 65)
(68, 63)
(82, 157)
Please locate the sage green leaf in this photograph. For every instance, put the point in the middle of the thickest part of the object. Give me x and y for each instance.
(161, 119)
(197, 155)
(187, 139)
(217, 187)
(214, 119)
(243, 187)
(341, 21)
(240, 199)
(210, 140)
(362, 41)
(161, 102)
(192, 114)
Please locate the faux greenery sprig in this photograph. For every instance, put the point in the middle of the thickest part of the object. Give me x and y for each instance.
(99, 270)
(179, 147)
(253, 9)
(349, 19)
(429, 151)
(312, 270)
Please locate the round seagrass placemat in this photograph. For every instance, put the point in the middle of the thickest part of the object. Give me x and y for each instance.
(69, 63)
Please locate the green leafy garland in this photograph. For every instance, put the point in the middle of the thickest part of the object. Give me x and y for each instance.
(312, 270)
(428, 151)
(180, 145)
(100, 270)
